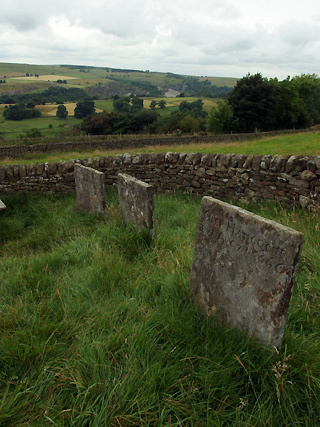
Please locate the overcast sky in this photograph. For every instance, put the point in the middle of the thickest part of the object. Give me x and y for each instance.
(197, 37)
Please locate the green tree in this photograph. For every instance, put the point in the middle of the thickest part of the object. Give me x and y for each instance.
(307, 86)
(253, 102)
(153, 104)
(84, 109)
(62, 111)
(137, 103)
(30, 104)
(287, 105)
(20, 112)
(196, 107)
(162, 103)
(189, 124)
(220, 119)
(142, 119)
(122, 105)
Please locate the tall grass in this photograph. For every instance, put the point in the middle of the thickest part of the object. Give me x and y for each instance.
(97, 327)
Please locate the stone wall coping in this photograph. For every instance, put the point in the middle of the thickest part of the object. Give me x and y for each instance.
(308, 167)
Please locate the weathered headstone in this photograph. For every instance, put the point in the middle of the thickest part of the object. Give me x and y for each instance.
(90, 189)
(136, 203)
(2, 206)
(244, 269)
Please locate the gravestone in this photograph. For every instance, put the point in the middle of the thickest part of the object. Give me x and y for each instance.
(2, 206)
(136, 203)
(244, 269)
(90, 189)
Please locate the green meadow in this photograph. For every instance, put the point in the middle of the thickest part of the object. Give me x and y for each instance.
(82, 76)
(10, 129)
(172, 104)
(97, 327)
(49, 126)
(306, 144)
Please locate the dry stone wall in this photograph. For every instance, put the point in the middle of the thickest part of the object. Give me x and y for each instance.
(291, 179)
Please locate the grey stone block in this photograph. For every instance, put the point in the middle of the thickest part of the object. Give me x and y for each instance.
(90, 189)
(244, 269)
(136, 203)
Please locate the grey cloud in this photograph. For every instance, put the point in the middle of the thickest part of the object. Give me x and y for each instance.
(20, 21)
(28, 15)
(184, 36)
(299, 33)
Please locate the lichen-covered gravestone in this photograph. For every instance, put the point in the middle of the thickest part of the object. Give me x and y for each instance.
(2, 206)
(244, 269)
(136, 203)
(90, 189)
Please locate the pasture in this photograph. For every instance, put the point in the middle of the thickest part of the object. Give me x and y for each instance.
(11, 130)
(305, 144)
(172, 104)
(45, 78)
(18, 82)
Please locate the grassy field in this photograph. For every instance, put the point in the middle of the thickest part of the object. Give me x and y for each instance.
(16, 79)
(45, 78)
(15, 76)
(172, 104)
(298, 144)
(10, 129)
(97, 327)
(21, 78)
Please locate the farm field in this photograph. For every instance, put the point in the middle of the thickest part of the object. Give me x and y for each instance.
(306, 144)
(11, 129)
(172, 104)
(98, 327)
(45, 78)
(51, 109)
(16, 78)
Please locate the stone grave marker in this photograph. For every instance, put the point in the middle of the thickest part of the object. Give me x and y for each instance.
(136, 203)
(90, 189)
(2, 206)
(244, 269)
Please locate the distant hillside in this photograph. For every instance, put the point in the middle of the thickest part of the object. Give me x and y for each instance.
(105, 82)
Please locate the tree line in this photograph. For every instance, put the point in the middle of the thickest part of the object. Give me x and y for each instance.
(255, 104)
(260, 104)
(57, 94)
(129, 117)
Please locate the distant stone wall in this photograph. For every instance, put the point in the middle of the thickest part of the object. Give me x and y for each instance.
(137, 141)
(291, 179)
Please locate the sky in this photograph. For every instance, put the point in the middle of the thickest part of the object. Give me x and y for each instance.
(223, 38)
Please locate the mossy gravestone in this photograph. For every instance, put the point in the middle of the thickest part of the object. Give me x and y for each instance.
(136, 203)
(244, 269)
(90, 189)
